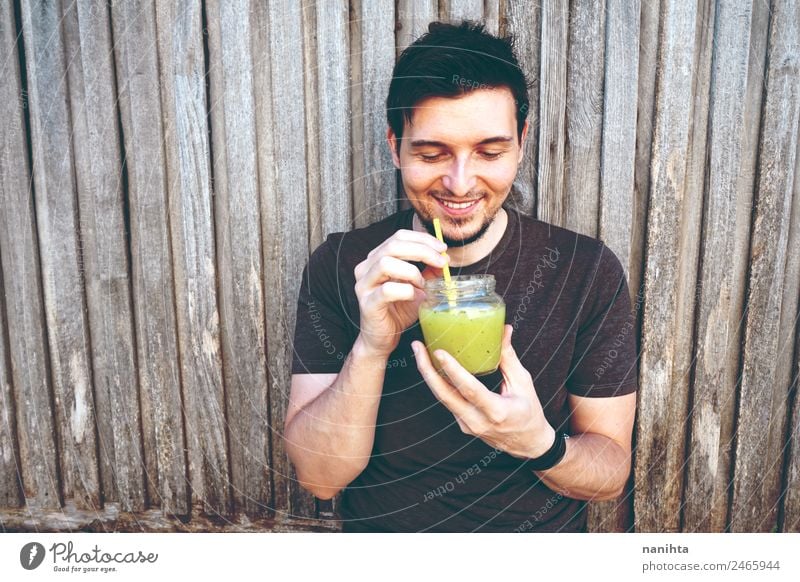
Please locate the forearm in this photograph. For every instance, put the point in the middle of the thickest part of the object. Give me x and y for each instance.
(330, 439)
(593, 468)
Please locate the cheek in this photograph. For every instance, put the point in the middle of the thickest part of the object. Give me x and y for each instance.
(418, 177)
(500, 174)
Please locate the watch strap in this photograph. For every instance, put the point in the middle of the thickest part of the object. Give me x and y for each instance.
(550, 458)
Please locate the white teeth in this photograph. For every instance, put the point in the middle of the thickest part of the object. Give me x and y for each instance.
(459, 205)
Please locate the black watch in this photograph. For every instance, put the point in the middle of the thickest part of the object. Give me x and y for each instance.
(552, 457)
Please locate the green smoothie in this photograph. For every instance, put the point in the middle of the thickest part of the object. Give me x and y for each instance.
(471, 334)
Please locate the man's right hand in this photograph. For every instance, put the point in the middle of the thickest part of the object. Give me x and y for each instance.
(390, 289)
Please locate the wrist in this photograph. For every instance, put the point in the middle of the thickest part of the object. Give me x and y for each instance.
(552, 456)
(363, 351)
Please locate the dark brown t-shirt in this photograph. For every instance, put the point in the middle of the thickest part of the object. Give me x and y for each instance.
(568, 300)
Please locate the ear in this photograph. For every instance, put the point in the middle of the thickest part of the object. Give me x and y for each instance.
(522, 141)
(391, 138)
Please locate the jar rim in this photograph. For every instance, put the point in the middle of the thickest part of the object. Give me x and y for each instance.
(461, 283)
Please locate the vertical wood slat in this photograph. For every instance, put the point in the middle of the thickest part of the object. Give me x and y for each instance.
(552, 111)
(61, 253)
(617, 160)
(584, 115)
(761, 437)
(789, 512)
(26, 414)
(278, 64)
(717, 353)
(413, 17)
(183, 101)
(98, 171)
(523, 21)
(372, 25)
(232, 107)
(491, 15)
(136, 58)
(661, 413)
(327, 111)
(457, 10)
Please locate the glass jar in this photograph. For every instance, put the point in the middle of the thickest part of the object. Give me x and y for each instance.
(466, 320)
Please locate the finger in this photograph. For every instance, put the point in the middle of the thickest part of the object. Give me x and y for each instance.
(514, 373)
(390, 268)
(420, 237)
(389, 292)
(469, 386)
(446, 393)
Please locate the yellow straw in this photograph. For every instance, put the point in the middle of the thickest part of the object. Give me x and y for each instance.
(437, 227)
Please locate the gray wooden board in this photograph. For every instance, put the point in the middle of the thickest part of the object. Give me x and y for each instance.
(662, 404)
(238, 236)
(98, 171)
(761, 438)
(372, 54)
(61, 254)
(717, 351)
(523, 21)
(283, 190)
(584, 115)
(552, 105)
(183, 102)
(136, 61)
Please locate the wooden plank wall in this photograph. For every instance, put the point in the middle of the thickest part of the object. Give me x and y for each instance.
(168, 167)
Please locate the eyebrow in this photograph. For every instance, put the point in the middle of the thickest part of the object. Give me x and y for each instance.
(489, 140)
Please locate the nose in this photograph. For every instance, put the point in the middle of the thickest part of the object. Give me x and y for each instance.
(460, 178)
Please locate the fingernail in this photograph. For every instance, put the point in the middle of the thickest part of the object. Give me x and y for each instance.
(414, 348)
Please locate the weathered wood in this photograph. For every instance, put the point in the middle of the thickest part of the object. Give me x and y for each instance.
(662, 401)
(61, 254)
(329, 149)
(717, 353)
(24, 389)
(136, 59)
(183, 101)
(413, 17)
(552, 105)
(238, 237)
(615, 219)
(283, 189)
(617, 199)
(645, 115)
(789, 512)
(761, 435)
(457, 10)
(523, 21)
(491, 15)
(98, 172)
(372, 54)
(584, 115)
(112, 519)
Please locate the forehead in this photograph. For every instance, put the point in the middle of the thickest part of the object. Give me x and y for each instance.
(471, 117)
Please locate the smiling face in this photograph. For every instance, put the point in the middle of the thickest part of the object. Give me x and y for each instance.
(458, 159)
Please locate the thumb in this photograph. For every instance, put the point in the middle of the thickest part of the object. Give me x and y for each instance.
(515, 374)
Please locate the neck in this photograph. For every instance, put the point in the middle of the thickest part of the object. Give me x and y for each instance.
(475, 251)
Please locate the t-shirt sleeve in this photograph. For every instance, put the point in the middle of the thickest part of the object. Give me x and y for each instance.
(322, 335)
(604, 362)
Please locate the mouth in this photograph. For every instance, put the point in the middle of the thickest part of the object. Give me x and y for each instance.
(458, 208)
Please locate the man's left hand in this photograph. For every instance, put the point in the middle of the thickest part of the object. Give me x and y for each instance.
(512, 421)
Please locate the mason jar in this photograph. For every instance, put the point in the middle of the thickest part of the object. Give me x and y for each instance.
(464, 318)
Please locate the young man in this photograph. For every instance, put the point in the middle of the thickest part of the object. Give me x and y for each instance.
(368, 413)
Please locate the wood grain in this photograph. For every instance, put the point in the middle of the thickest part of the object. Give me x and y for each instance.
(762, 407)
(413, 17)
(184, 107)
(523, 21)
(457, 10)
(61, 251)
(713, 397)
(283, 191)
(238, 247)
(662, 400)
(372, 57)
(552, 111)
(584, 115)
(98, 172)
(136, 62)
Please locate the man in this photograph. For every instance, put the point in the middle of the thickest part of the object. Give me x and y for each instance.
(368, 413)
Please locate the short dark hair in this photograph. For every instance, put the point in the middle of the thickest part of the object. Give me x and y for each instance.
(451, 60)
